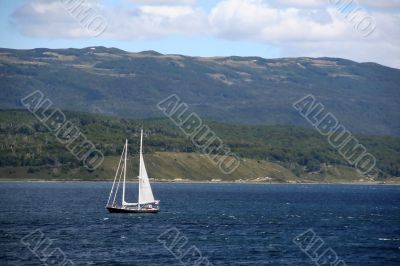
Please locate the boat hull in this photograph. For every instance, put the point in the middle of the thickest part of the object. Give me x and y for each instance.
(131, 210)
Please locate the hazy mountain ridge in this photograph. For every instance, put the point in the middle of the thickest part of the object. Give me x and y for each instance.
(249, 90)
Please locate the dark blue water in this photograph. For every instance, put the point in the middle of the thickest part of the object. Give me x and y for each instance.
(230, 224)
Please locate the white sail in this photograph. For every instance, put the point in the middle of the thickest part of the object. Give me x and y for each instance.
(145, 192)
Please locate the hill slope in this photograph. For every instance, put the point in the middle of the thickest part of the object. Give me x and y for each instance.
(250, 90)
(284, 153)
(181, 167)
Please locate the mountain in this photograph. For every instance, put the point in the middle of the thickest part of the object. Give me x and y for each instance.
(365, 97)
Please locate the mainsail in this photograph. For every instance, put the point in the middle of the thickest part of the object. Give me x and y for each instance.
(145, 192)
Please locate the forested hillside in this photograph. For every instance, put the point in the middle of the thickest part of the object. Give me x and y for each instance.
(25, 142)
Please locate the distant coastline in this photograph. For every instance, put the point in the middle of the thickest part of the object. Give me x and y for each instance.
(395, 182)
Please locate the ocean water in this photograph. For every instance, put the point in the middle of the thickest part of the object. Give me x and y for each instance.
(219, 224)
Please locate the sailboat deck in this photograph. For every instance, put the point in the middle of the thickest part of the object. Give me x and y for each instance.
(131, 210)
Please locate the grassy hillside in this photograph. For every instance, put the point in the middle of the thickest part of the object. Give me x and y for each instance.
(181, 167)
(282, 153)
(249, 90)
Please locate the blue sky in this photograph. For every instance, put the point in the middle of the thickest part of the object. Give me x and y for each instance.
(366, 31)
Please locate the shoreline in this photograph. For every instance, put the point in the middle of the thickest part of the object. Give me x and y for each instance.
(202, 182)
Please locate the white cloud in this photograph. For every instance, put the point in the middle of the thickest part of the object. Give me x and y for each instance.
(380, 3)
(302, 3)
(167, 11)
(155, 21)
(46, 19)
(311, 32)
(164, 2)
(302, 27)
(325, 3)
(235, 19)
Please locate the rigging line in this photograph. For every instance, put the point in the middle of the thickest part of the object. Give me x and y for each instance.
(116, 191)
(115, 178)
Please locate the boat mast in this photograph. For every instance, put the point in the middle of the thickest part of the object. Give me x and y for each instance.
(140, 165)
(123, 186)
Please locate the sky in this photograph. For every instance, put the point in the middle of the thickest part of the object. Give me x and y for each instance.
(360, 30)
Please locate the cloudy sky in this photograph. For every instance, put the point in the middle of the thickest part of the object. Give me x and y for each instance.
(361, 30)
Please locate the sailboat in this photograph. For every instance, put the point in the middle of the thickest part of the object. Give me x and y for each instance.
(146, 202)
